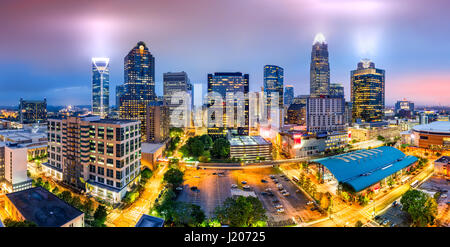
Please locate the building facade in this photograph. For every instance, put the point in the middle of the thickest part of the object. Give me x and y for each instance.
(14, 163)
(100, 86)
(158, 121)
(99, 156)
(325, 114)
(250, 148)
(336, 90)
(178, 92)
(367, 92)
(273, 90)
(139, 73)
(296, 114)
(320, 67)
(288, 95)
(228, 89)
(120, 90)
(32, 111)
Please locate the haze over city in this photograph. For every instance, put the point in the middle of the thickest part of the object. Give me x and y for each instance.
(46, 46)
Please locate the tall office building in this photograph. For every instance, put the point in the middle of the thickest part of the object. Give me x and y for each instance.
(178, 94)
(158, 120)
(120, 90)
(273, 89)
(336, 90)
(100, 86)
(288, 95)
(100, 156)
(367, 92)
(32, 111)
(228, 89)
(320, 68)
(139, 74)
(325, 114)
(404, 108)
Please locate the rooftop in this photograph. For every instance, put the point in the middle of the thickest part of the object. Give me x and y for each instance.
(248, 140)
(114, 121)
(150, 148)
(150, 221)
(436, 127)
(363, 168)
(443, 159)
(42, 207)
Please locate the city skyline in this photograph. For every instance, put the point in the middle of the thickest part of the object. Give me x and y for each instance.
(56, 63)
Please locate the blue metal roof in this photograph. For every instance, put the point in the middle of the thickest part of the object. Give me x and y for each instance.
(363, 168)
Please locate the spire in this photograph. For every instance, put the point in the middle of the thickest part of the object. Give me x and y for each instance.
(319, 38)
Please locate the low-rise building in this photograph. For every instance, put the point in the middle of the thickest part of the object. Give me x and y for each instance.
(150, 154)
(432, 135)
(43, 208)
(371, 133)
(250, 148)
(442, 166)
(150, 221)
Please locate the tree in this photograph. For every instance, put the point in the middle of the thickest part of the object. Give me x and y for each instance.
(207, 141)
(174, 177)
(66, 196)
(176, 132)
(76, 202)
(47, 186)
(146, 173)
(420, 206)
(88, 207)
(55, 190)
(241, 212)
(13, 223)
(359, 224)
(174, 162)
(220, 148)
(100, 216)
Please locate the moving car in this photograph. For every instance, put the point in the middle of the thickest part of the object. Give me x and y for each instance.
(280, 210)
(244, 182)
(263, 181)
(246, 187)
(234, 186)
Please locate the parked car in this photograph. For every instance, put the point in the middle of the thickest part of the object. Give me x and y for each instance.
(309, 203)
(179, 188)
(270, 193)
(286, 194)
(275, 200)
(263, 181)
(246, 187)
(272, 176)
(269, 189)
(214, 173)
(264, 193)
(385, 222)
(234, 186)
(277, 206)
(280, 210)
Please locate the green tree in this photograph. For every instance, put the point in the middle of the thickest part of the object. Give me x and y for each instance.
(359, 224)
(47, 186)
(174, 177)
(174, 162)
(88, 207)
(241, 212)
(13, 223)
(76, 202)
(176, 132)
(420, 206)
(221, 148)
(66, 196)
(100, 216)
(55, 190)
(146, 173)
(207, 141)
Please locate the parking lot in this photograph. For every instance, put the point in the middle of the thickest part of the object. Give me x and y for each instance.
(394, 217)
(214, 186)
(441, 185)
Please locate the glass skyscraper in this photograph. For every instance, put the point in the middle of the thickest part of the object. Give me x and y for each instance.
(367, 92)
(288, 95)
(139, 72)
(320, 68)
(228, 85)
(336, 90)
(120, 90)
(100, 86)
(273, 85)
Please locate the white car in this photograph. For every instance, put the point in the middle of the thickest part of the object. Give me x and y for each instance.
(246, 187)
(234, 186)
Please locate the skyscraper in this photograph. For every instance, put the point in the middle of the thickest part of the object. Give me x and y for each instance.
(120, 90)
(32, 111)
(100, 86)
(273, 88)
(320, 68)
(288, 95)
(232, 89)
(336, 90)
(139, 66)
(177, 90)
(367, 92)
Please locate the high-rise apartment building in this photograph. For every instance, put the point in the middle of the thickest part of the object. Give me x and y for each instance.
(139, 73)
(158, 120)
(325, 114)
(32, 111)
(99, 156)
(228, 89)
(100, 86)
(367, 92)
(13, 167)
(320, 67)
(178, 96)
